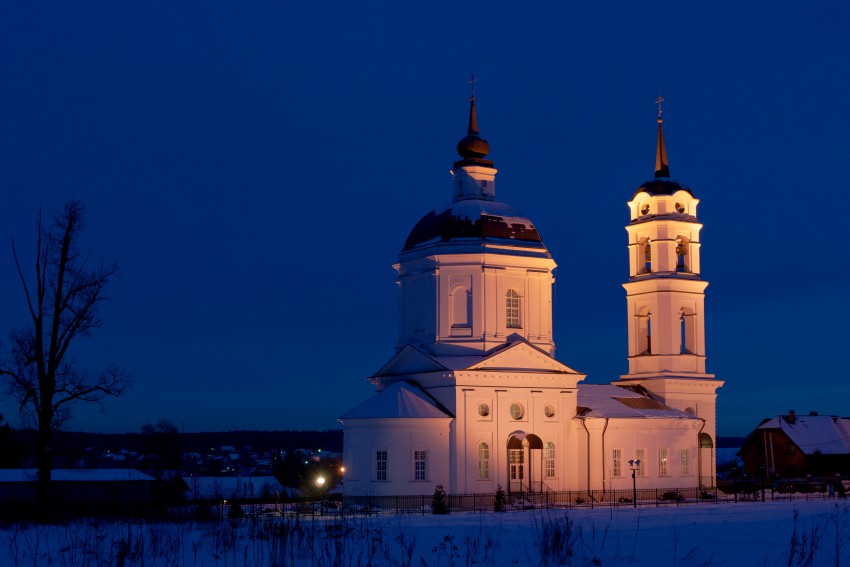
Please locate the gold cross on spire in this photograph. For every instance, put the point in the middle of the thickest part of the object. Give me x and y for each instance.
(658, 101)
(471, 82)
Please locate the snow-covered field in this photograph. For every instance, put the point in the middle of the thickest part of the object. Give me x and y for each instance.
(752, 533)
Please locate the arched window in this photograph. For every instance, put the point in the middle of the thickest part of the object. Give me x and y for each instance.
(512, 309)
(644, 332)
(549, 460)
(681, 254)
(648, 334)
(461, 307)
(483, 461)
(647, 257)
(687, 331)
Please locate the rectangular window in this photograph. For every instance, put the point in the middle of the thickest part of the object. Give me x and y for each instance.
(662, 462)
(549, 460)
(640, 455)
(420, 465)
(512, 309)
(686, 462)
(617, 462)
(483, 461)
(381, 458)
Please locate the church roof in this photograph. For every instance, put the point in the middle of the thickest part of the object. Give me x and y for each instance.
(605, 400)
(517, 355)
(473, 219)
(825, 434)
(400, 400)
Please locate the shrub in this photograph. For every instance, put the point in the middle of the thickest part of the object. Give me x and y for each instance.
(203, 512)
(235, 512)
(671, 496)
(438, 502)
(499, 502)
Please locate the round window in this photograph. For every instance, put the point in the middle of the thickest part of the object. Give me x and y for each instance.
(549, 410)
(517, 411)
(644, 210)
(483, 409)
(680, 208)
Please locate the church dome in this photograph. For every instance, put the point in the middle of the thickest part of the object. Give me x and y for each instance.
(661, 186)
(473, 219)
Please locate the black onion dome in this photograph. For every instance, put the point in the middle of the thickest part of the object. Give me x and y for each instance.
(472, 146)
(661, 186)
(473, 219)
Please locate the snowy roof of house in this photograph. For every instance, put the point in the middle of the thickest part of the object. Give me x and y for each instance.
(400, 400)
(237, 486)
(605, 400)
(825, 434)
(76, 475)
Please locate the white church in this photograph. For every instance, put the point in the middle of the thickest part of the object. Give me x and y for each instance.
(474, 399)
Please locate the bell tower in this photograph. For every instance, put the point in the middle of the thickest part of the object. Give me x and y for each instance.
(665, 297)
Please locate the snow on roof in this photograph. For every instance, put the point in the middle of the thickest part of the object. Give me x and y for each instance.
(400, 400)
(605, 400)
(825, 434)
(76, 475)
(201, 487)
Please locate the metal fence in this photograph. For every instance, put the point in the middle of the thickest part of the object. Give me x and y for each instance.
(366, 506)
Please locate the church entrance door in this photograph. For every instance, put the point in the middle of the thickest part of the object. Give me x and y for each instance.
(520, 471)
(517, 462)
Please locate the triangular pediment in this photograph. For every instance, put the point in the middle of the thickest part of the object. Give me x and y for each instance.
(521, 356)
(410, 360)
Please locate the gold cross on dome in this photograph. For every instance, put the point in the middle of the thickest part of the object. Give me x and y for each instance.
(658, 101)
(471, 82)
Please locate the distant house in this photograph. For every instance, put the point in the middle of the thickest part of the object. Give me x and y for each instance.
(789, 446)
(117, 491)
(237, 487)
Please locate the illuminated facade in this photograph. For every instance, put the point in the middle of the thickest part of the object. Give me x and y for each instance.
(474, 398)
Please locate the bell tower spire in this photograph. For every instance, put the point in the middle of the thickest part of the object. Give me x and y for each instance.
(662, 169)
(474, 176)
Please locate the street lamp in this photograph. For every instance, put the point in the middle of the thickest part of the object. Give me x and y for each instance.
(634, 465)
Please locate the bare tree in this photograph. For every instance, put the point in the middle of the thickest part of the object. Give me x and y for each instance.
(63, 300)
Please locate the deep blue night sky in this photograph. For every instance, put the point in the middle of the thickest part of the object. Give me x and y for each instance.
(256, 166)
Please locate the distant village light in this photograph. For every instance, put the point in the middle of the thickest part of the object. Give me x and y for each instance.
(320, 481)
